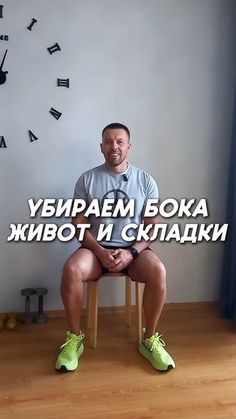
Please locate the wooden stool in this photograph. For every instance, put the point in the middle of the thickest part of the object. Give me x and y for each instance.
(92, 306)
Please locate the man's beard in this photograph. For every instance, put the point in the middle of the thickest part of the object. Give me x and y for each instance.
(114, 161)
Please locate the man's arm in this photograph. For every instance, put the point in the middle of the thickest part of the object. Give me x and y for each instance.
(143, 244)
(124, 257)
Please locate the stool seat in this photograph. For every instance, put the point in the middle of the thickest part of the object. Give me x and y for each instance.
(92, 305)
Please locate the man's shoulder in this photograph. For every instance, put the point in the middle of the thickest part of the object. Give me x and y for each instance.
(93, 171)
(140, 172)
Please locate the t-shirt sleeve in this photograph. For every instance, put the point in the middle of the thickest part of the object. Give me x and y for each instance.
(79, 191)
(152, 190)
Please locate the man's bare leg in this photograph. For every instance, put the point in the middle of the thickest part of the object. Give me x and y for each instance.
(149, 269)
(80, 267)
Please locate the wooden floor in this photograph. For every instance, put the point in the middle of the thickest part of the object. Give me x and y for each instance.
(114, 381)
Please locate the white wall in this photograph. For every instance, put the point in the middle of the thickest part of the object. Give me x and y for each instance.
(164, 68)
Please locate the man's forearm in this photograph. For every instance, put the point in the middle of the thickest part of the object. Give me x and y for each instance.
(89, 241)
(143, 244)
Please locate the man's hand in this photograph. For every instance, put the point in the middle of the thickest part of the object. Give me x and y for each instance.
(106, 258)
(122, 259)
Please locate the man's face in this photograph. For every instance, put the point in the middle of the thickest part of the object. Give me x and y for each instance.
(115, 146)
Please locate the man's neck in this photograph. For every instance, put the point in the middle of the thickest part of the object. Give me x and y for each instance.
(118, 169)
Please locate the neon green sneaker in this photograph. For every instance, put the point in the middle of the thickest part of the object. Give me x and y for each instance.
(153, 350)
(71, 350)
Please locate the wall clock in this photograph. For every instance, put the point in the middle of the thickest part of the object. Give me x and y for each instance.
(51, 49)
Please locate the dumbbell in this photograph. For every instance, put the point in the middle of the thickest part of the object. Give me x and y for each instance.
(40, 316)
(27, 292)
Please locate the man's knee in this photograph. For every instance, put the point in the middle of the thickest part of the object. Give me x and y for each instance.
(158, 275)
(73, 271)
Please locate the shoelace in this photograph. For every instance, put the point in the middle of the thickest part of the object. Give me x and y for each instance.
(74, 341)
(157, 342)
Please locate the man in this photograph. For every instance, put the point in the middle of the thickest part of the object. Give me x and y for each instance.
(115, 178)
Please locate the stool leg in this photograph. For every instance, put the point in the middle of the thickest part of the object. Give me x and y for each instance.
(94, 313)
(128, 300)
(88, 310)
(138, 288)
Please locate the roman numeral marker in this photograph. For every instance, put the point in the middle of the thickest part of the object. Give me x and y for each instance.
(2, 142)
(54, 48)
(63, 82)
(32, 136)
(4, 38)
(1, 8)
(32, 24)
(55, 113)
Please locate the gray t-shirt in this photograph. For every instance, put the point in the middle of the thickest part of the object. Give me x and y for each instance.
(100, 183)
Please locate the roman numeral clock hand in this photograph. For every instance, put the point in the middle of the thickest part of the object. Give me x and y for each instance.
(3, 77)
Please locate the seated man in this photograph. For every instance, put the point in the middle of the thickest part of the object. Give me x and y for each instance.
(116, 178)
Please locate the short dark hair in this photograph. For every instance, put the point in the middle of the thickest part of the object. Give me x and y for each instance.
(116, 125)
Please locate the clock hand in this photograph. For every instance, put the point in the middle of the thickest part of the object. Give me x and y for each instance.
(3, 59)
(3, 76)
